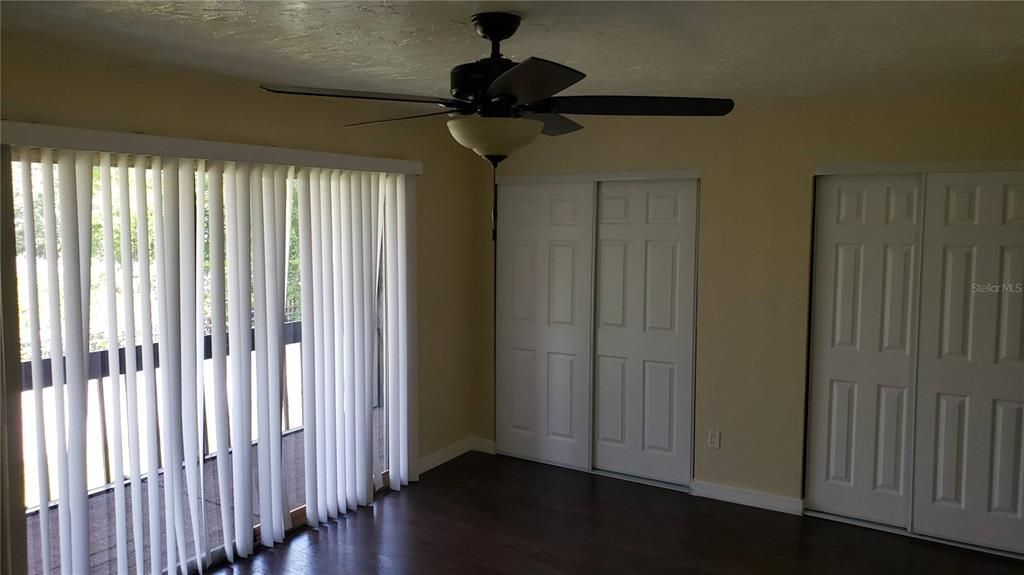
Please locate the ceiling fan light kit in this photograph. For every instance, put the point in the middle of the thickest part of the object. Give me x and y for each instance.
(498, 106)
(494, 139)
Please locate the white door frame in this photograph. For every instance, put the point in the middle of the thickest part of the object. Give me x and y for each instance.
(596, 178)
(922, 169)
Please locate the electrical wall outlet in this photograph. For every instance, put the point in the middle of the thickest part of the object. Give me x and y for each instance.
(714, 439)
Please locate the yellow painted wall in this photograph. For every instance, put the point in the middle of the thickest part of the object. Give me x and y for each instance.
(47, 85)
(757, 167)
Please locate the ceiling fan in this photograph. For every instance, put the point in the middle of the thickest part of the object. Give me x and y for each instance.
(498, 105)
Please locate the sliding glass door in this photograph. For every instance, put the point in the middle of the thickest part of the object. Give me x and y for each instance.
(139, 279)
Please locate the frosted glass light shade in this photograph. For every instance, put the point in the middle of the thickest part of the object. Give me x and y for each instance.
(494, 137)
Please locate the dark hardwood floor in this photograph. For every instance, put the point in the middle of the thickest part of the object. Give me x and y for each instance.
(492, 514)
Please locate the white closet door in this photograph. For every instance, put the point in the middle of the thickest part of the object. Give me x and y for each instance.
(645, 321)
(544, 294)
(863, 346)
(969, 483)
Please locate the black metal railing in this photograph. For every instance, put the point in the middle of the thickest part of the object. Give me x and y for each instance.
(98, 363)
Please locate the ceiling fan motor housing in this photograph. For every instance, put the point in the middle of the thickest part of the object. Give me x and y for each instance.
(469, 81)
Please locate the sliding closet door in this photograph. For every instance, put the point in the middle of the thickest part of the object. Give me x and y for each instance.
(646, 251)
(968, 476)
(863, 346)
(544, 295)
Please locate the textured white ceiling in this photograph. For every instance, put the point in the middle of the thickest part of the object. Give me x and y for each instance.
(739, 50)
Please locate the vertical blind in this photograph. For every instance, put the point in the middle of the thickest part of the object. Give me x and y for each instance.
(195, 256)
(349, 224)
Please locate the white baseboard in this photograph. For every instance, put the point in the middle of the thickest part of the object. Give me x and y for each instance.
(446, 454)
(483, 445)
(781, 503)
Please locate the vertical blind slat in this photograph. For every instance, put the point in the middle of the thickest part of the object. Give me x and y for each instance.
(276, 199)
(349, 334)
(234, 335)
(316, 307)
(219, 180)
(42, 459)
(403, 331)
(240, 325)
(339, 341)
(190, 380)
(259, 268)
(117, 462)
(146, 191)
(199, 336)
(391, 299)
(364, 440)
(308, 353)
(131, 380)
(360, 352)
(327, 317)
(290, 221)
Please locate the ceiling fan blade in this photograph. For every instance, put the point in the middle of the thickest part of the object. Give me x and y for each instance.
(357, 95)
(554, 124)
(634, 106)
(412, 117)
(534, 79)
